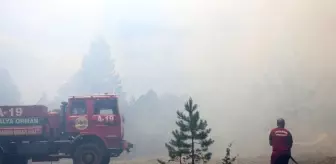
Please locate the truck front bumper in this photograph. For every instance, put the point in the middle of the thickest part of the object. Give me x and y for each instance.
(125, 146)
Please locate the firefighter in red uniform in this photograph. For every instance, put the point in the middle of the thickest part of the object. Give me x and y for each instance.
(281, 141)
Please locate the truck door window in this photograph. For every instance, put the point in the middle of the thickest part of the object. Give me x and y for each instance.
(78, 107)
(106, 106)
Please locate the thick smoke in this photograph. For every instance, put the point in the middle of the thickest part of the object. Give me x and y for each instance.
(9, 93)
(275, 62)
(245, 62)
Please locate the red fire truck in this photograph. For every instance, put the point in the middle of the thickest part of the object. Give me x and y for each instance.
(87, 129)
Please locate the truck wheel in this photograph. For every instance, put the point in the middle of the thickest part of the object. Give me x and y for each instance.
(88, 154)
(106, 160)
(15, 159)
(21, 160)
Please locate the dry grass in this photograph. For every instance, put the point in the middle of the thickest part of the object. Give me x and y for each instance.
(257, 160)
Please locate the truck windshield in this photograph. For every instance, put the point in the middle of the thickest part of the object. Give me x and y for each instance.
(106, 106)
(78, 107)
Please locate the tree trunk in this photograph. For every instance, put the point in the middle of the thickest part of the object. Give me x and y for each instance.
(192, 137)
(192, 150)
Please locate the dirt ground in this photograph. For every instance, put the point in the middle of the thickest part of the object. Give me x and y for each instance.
(303, 159)
(260, 160)
(323, 152)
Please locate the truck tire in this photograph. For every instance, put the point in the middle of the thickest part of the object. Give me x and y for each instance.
(21, 160)
(106, 160)
(88, 154)
(2, 159)
(15, 159)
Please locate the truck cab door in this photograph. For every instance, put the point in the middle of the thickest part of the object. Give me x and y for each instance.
(77, 115)
(106, 120)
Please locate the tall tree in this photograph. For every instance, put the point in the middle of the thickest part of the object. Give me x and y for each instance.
(192, 139)
(9, 93)
(43, 99)
(97, 74)
(178, 147)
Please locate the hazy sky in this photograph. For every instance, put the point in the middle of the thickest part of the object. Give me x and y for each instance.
(42, 42)
(173, 36)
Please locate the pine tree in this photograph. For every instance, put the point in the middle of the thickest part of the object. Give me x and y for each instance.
(96, 75)
(43, 100)
(192, 139)
(178, 147)
(9, 92)
(228, 159)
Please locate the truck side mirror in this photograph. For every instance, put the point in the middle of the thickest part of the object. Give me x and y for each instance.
(123, 118)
